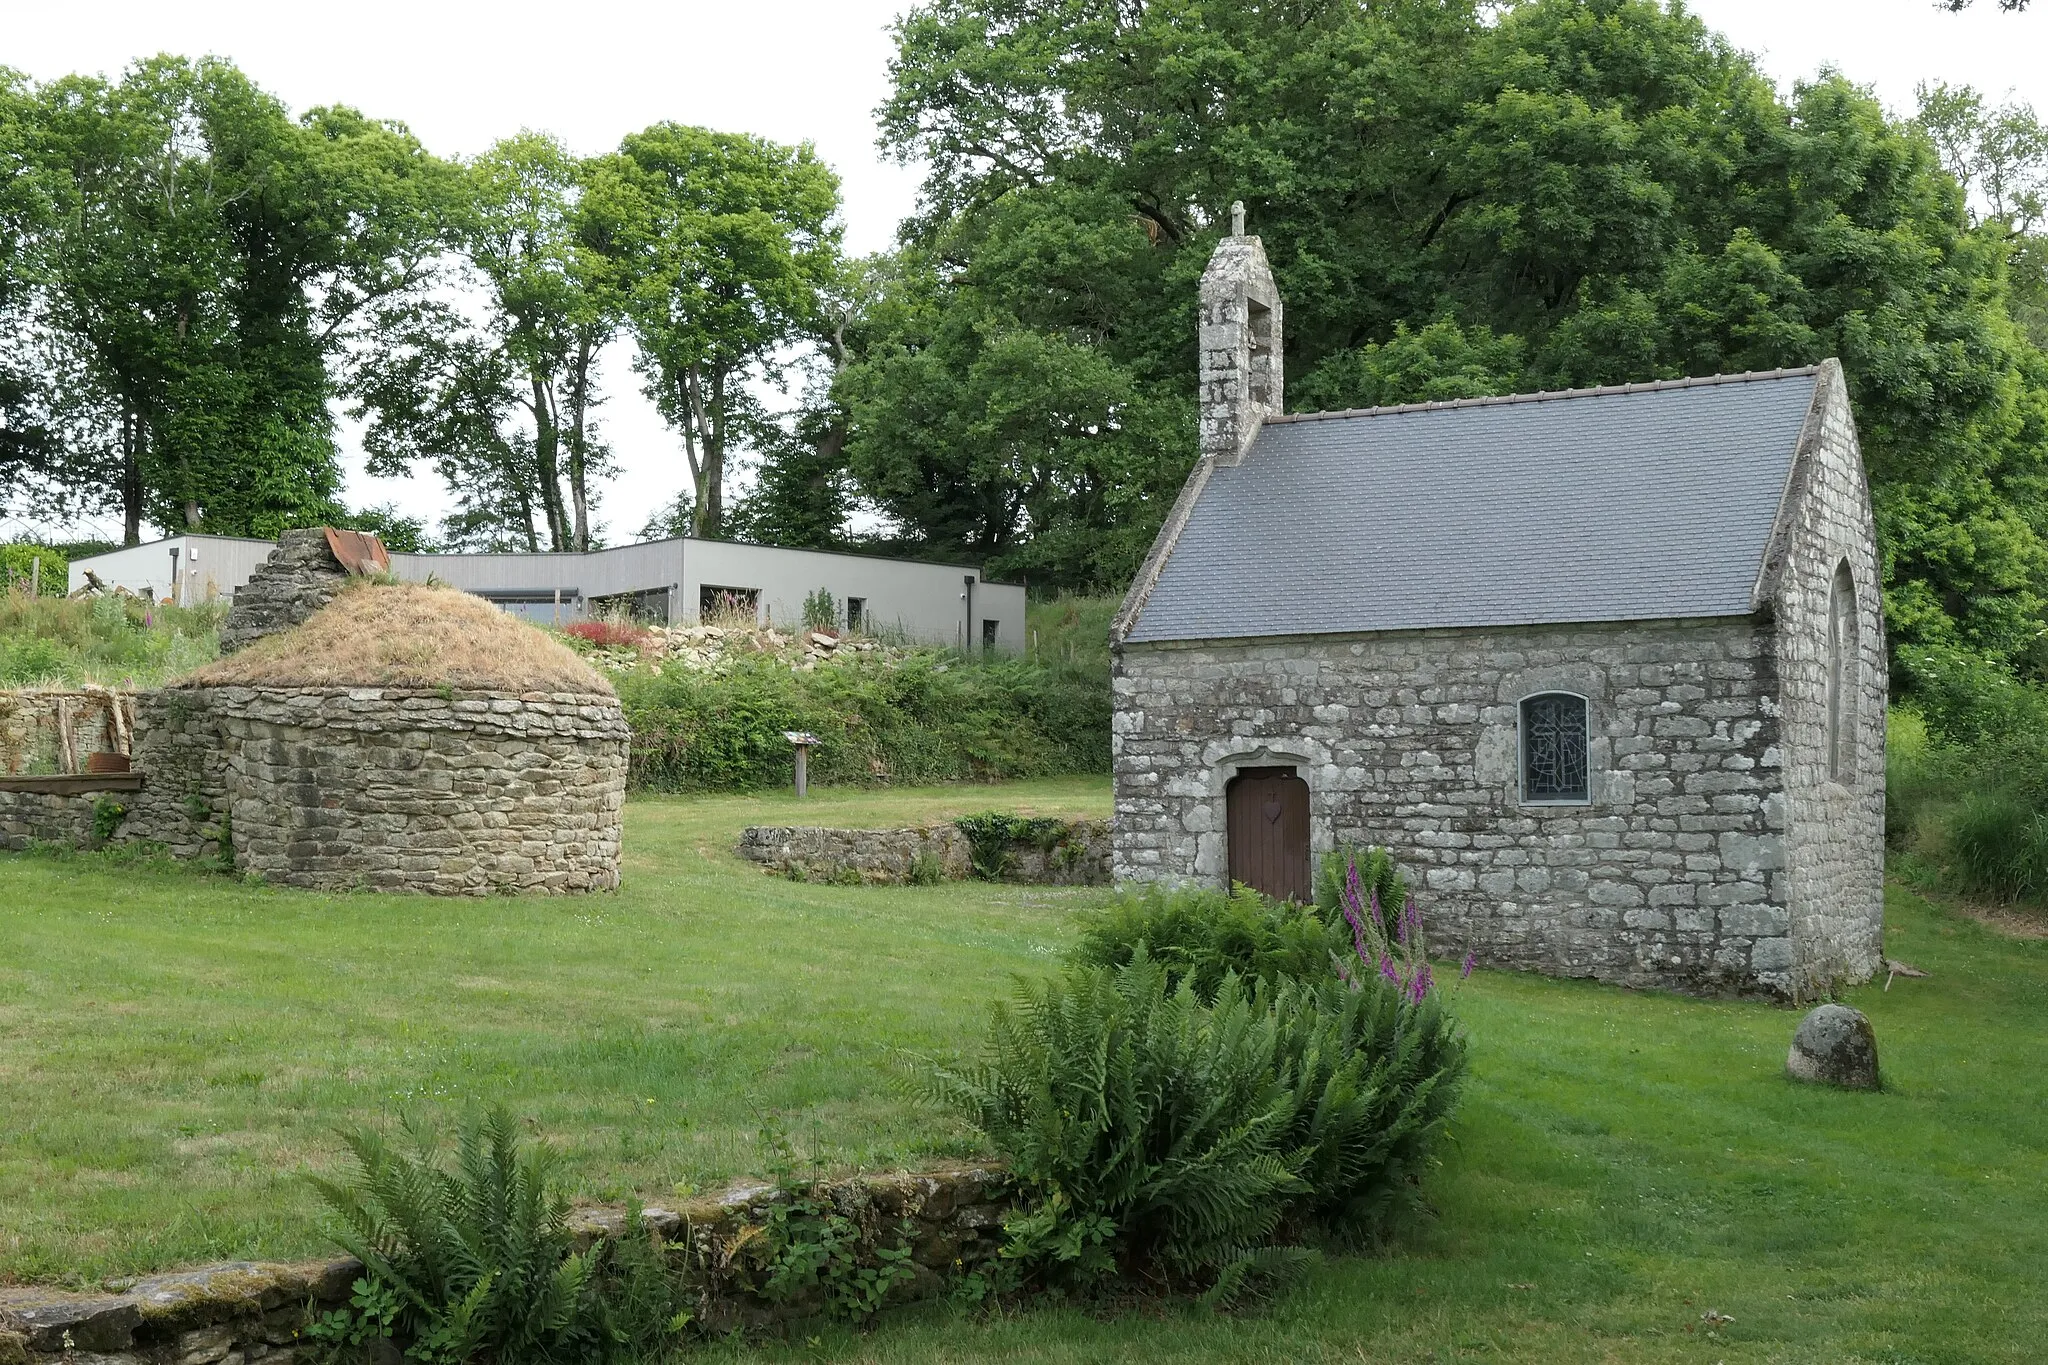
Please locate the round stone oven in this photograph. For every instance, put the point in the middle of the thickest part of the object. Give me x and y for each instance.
(404, 738)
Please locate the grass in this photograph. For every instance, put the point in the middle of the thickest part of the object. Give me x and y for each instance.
(112, 641)
(391, 634)
(173, 1047)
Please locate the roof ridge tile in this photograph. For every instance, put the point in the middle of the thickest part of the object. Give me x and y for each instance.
(1552, 395)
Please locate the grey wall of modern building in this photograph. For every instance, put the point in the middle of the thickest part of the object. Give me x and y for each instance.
(945, 604)
(206, 567)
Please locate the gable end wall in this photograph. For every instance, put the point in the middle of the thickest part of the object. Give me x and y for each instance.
(1834, 828)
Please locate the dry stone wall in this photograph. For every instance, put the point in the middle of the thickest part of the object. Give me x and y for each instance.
(300, 577)
(255, 1313)
(395, 789)
(28, 818)
(1078, 857)
(1672, 874)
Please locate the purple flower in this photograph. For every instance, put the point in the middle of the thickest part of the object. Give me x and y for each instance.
(1357, 934)
(1420, 986)
(1466, 970)
(1411, 922)
(1387, 969)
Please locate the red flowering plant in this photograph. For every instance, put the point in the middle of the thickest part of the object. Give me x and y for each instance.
(608, 634)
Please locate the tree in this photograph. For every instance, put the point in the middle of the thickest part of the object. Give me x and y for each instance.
(721, 244)
(502, 406)
(1561, 192)
(203, 259)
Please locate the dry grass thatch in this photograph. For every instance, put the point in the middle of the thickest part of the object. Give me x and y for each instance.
(406, 635)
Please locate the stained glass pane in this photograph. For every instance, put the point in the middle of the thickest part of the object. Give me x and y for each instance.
(1554, 748)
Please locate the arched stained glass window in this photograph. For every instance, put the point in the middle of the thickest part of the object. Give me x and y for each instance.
(1844, 675)
(1554, 737)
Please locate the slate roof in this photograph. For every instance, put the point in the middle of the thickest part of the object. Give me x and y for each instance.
(1639, 502)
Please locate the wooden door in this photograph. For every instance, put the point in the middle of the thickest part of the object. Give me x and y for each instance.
(1267, 814)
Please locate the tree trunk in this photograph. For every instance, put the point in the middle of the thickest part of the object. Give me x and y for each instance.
(693, 425)
(711, 487)
(579, 411)
(547, 438)
(131, 478)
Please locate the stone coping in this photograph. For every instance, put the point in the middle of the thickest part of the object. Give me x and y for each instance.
(256, 1310)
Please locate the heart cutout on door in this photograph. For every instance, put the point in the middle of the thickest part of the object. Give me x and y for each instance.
(1273, 812)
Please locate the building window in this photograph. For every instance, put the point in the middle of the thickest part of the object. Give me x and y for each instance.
(1554, 736)
(1843, 675)
(856, 612)
(722, 604)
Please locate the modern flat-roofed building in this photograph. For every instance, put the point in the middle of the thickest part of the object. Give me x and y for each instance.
(670, 582)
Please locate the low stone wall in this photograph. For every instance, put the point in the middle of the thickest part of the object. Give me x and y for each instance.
(247, 1312)
(1079, 857)
(403, 790)
(48, 818)
(383, 788)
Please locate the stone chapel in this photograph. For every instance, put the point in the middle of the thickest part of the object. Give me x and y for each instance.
(1604, 669)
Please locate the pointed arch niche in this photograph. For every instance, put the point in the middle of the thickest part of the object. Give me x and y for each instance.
(1844, 674)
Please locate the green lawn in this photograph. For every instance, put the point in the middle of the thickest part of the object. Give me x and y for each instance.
(172, 1047)
(175, 1047)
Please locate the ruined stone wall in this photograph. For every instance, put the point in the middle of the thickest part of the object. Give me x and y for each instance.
(403, 790)
(255, 1313)
(1078, 857)
(1672, 874)
(182, 753)
(1834, 855)
(35, 720)
(300, 577)
(47, 818)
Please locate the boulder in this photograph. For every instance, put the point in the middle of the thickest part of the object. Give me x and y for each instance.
(1834, 1046)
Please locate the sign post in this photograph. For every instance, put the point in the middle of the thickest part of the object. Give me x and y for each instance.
(803, 740)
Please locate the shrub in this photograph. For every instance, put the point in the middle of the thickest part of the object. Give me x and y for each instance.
(926, 718)
(1201, 935)
(991, 834)
(1144, 1124)
(115, 641)
(18, 564)
(821, 610)
(1998, 846)
(608, 634)
(1157, 1134)
(474, 1261)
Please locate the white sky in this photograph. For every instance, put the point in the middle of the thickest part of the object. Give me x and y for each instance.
(464, 74)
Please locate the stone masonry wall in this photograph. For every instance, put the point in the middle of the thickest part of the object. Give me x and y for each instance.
(46, 818)
(393, 789)
(300, 577)
(1081, 856)
(31, 731)
(1671, 875)
(1834, 855)
(255, 1313)
(182, 754)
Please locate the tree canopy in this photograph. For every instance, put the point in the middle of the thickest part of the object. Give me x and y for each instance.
(1456, 201)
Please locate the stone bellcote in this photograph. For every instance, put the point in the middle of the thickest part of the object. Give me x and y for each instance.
(1240, 342)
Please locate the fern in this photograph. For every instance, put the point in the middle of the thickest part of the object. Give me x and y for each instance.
(1202, 935)
(480, 1257)
(1157, 1133)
